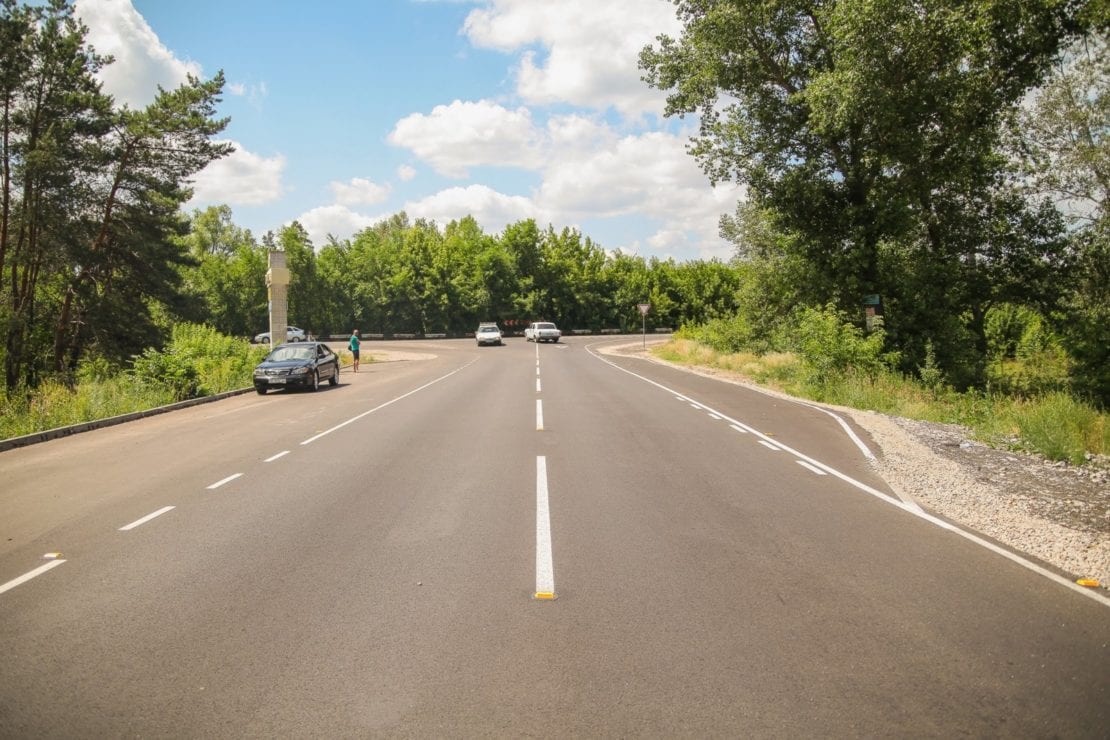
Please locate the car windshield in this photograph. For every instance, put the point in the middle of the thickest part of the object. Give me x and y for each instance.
(488, 329)
(285, 354)
(545, 326)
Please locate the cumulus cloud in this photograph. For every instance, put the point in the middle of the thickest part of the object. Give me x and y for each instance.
(590, 63)
(493, 210)
(337, 220)
(406, 173)
(242, 178)
(454, 137)
(359, 191)
(142, 61)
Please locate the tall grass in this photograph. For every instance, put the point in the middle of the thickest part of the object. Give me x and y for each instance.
(1053, 424)
(198, 361)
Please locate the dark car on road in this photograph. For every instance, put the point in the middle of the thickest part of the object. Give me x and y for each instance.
(297, 365)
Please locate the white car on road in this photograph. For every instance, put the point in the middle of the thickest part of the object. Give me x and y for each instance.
(292, 334)
(542, 331)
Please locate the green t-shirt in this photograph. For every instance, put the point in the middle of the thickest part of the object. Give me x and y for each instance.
(354, 343)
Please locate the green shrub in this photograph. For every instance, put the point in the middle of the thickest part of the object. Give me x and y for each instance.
(830, 345)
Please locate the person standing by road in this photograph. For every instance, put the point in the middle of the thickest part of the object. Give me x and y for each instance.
(353, 345)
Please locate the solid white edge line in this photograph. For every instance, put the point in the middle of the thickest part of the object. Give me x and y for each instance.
(912, 509)
(545, 564)
(539, 415)
(811, 468)
(228, 479)
(847, 429)
(353, 419)
(28, 576)
(145, 519)
(281, 454)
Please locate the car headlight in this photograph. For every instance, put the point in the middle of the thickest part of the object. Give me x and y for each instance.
(299, 370)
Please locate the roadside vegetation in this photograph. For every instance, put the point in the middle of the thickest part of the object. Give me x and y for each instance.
(819, 355)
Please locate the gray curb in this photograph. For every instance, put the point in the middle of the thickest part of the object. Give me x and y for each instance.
(30, 439)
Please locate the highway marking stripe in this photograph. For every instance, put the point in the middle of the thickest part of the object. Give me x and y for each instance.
(545, 563)
(353, 419)
(848, 430)
(742, 431)
(811, 468)
(28, 576)
(281, 454)
(714, 417)
(537, 385)
(539, 415)
(768, 445)
(910, 508)
(145, 519)
(225, 481)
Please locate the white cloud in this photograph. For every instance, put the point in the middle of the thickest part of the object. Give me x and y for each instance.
(493, 210)
(237, 88)
(455, 137)
(359, 191)
(406, 173)
(242, 178)
(592, 48)
(142, 61)
(337, 220)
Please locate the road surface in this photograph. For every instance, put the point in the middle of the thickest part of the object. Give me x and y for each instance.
(515, 541)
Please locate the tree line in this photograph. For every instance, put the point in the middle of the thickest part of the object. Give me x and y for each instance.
(403, 276)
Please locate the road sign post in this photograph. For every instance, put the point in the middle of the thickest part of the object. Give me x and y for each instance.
(644, 308)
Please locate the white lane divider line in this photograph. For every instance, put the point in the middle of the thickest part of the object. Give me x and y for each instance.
(768, 445)
(281, 454)
(537, 385)
(537, 369)
(811, 468)
(545, 563)
(742, 430)
(714, 417)
(539, 415)
(225, 481)
(353, 419)
(145, 519)
(33, 574)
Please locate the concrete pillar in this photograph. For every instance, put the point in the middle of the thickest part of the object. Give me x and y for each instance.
(277, 285)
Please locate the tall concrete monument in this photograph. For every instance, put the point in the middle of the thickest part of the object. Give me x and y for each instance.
(277, 285)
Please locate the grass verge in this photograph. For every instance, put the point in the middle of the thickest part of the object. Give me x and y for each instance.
(1054, 424)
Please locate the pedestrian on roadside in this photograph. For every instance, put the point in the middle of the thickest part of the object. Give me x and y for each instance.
(353, 345)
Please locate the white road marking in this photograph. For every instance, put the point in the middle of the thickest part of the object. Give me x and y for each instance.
(695, 406)
(811, 468)
(281, 454)
(539, 415)
(228, 479)
(353, 419)
(769, 446)
(28, 576)
(537, 385)
(145, 519)
(537, 369)
(851, 434)
(714, 417)
(909, 508)
(545, 563)
(739, 429)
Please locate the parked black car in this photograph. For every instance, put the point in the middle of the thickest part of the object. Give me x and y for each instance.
(297, 364)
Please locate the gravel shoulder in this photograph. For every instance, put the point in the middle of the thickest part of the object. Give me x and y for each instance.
(1056, 513)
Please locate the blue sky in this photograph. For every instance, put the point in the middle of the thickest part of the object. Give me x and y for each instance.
(346, 112)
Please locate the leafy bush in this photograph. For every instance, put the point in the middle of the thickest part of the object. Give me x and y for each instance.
(831, 345)
(198, 361)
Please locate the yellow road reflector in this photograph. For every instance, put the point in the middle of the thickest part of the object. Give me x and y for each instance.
(1089, 582)
(545, 595)
(52, 556)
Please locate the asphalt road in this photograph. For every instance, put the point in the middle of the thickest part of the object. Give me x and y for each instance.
(514, 541)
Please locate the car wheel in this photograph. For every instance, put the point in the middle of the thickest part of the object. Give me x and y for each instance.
(315, 380)
(334, 379)
(260, 390)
